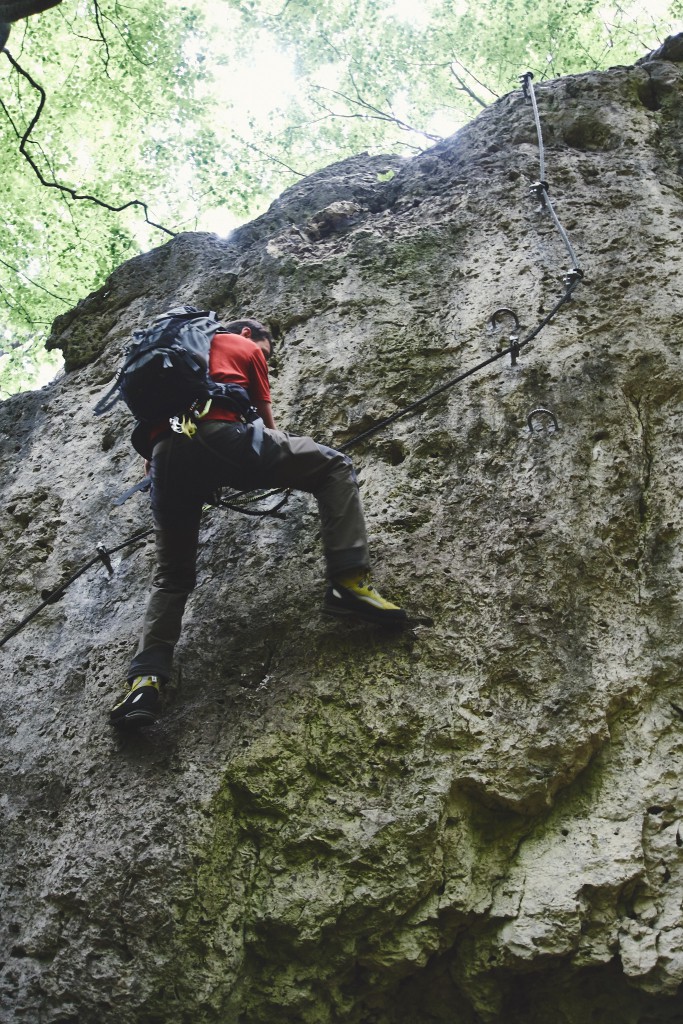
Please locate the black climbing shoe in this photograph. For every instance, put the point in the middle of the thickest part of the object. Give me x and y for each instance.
(140, 706)
(355, 595)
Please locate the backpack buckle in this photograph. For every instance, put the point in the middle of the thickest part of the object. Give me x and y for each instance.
(183, 425)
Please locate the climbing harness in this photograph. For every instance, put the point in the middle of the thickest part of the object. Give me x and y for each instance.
(571, 279)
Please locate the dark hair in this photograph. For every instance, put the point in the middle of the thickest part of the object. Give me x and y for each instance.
(258, 331)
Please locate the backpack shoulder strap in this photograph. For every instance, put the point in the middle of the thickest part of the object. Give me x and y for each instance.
(108, 401)
(112, 396)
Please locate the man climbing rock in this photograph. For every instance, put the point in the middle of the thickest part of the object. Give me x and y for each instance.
(225, 451)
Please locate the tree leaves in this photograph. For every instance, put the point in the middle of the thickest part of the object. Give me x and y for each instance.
(198, 110)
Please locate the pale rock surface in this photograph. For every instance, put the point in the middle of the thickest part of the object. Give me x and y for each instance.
(479, 820)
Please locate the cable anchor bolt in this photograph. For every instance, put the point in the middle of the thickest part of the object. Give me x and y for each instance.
(514, 345)
(539, 190)
(525, 79)
(573, 277)
(104, 558)
(541, 412)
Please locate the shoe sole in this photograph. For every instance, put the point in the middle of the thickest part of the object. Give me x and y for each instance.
(134, 720)
(377, 618)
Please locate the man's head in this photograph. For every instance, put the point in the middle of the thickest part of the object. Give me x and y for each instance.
(255, 331)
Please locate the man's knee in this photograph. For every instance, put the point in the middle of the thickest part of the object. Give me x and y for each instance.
(176, 552)
(175, 579)
(341, 466)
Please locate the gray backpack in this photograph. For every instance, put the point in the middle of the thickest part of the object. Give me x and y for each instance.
(166, 370)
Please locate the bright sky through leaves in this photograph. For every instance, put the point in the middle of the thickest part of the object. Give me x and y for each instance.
(206, 111)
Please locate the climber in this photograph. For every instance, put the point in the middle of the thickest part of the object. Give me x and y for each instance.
(225, 451)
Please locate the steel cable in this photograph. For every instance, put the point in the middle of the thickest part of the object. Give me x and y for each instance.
(541, 186)
(572, 280)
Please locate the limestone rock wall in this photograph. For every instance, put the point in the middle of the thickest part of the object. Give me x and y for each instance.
(476, 821)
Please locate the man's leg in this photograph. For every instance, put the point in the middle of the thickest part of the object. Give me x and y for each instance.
(301, 463)
(279, 459)
(177, 514)
(172, 583)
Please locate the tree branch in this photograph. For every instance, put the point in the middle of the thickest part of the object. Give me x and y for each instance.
(375, 114)
(281, 11)
(103, 39)
(126, 43)
(464, 87)
(20, 273)
(274, 159)
(64, 189)
(333, 115)
(16, 306)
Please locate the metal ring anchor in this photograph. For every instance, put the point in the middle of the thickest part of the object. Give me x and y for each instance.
(500, 313)
(541, 412)
(495, 320)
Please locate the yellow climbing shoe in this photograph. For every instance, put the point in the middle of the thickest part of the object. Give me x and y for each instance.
(355, 595)
(141, 704)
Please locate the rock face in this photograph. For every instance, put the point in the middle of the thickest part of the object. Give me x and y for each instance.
(476, 821)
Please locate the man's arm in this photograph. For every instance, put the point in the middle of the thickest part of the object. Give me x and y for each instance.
(265, 411)
(260, 385)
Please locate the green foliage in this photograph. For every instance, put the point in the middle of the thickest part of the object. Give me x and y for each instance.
(24, 365)
(93, 136)
(205, 111)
